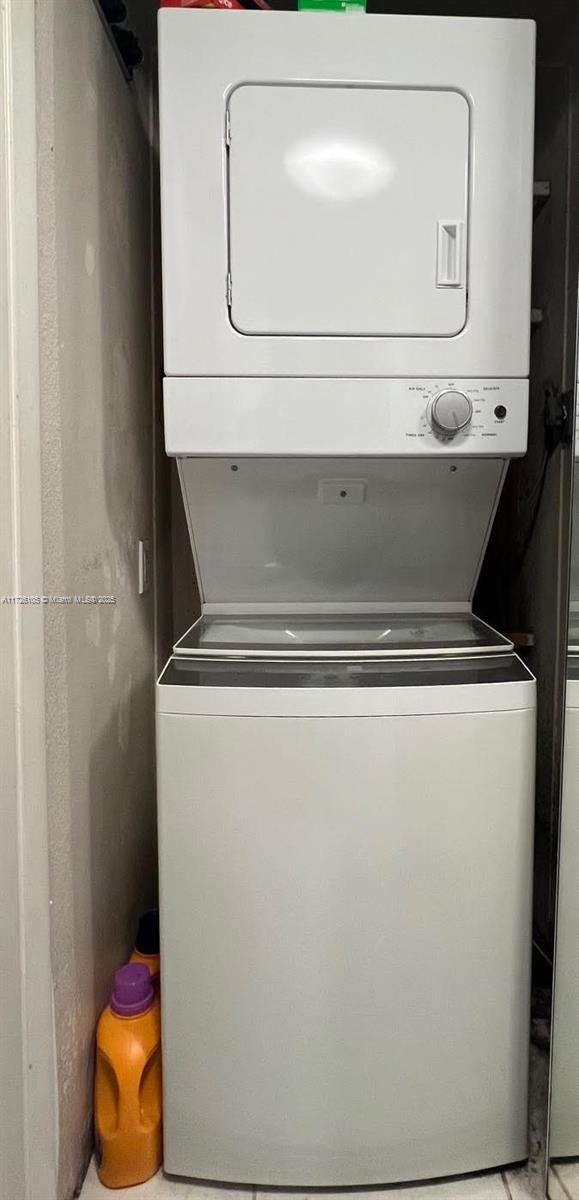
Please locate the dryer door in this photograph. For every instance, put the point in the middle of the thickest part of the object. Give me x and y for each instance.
(345, 199)
(348, 210)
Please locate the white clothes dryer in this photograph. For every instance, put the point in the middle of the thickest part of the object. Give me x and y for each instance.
(345, 198)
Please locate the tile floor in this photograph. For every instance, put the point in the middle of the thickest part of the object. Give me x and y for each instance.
(564, 1181)
(494, 1186)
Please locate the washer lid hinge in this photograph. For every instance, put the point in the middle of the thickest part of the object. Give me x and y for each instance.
(227, 127)
(228, 289)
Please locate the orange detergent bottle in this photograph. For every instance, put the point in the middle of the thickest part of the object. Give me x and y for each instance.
(128, 1105)
(147, 949)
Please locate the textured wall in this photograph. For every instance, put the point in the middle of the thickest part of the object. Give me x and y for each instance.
(94, 179)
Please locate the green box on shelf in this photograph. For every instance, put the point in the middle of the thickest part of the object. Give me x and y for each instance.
(332, 5)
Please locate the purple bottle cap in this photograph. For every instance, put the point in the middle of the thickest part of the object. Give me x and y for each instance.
(133, 993)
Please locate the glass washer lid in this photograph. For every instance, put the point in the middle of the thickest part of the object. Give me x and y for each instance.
(340, 635)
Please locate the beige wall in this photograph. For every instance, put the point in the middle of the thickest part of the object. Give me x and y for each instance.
(97, 479)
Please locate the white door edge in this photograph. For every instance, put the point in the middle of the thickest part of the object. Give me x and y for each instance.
(28, 1110)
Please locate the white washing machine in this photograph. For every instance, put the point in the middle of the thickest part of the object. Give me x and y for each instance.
(345, 851)
(345, 781)
(345, 753)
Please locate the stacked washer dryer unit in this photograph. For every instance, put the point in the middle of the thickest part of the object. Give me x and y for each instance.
(345, 753)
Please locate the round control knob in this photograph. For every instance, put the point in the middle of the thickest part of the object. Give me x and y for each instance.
(450, 412)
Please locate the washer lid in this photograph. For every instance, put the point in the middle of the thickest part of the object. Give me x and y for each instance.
(340, 635)
(311, 533)
(347, 210)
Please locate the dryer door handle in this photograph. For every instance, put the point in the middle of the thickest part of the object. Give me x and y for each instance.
(450, 254)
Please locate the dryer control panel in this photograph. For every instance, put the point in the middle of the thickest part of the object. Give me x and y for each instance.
(394, 418)
(468, 414)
